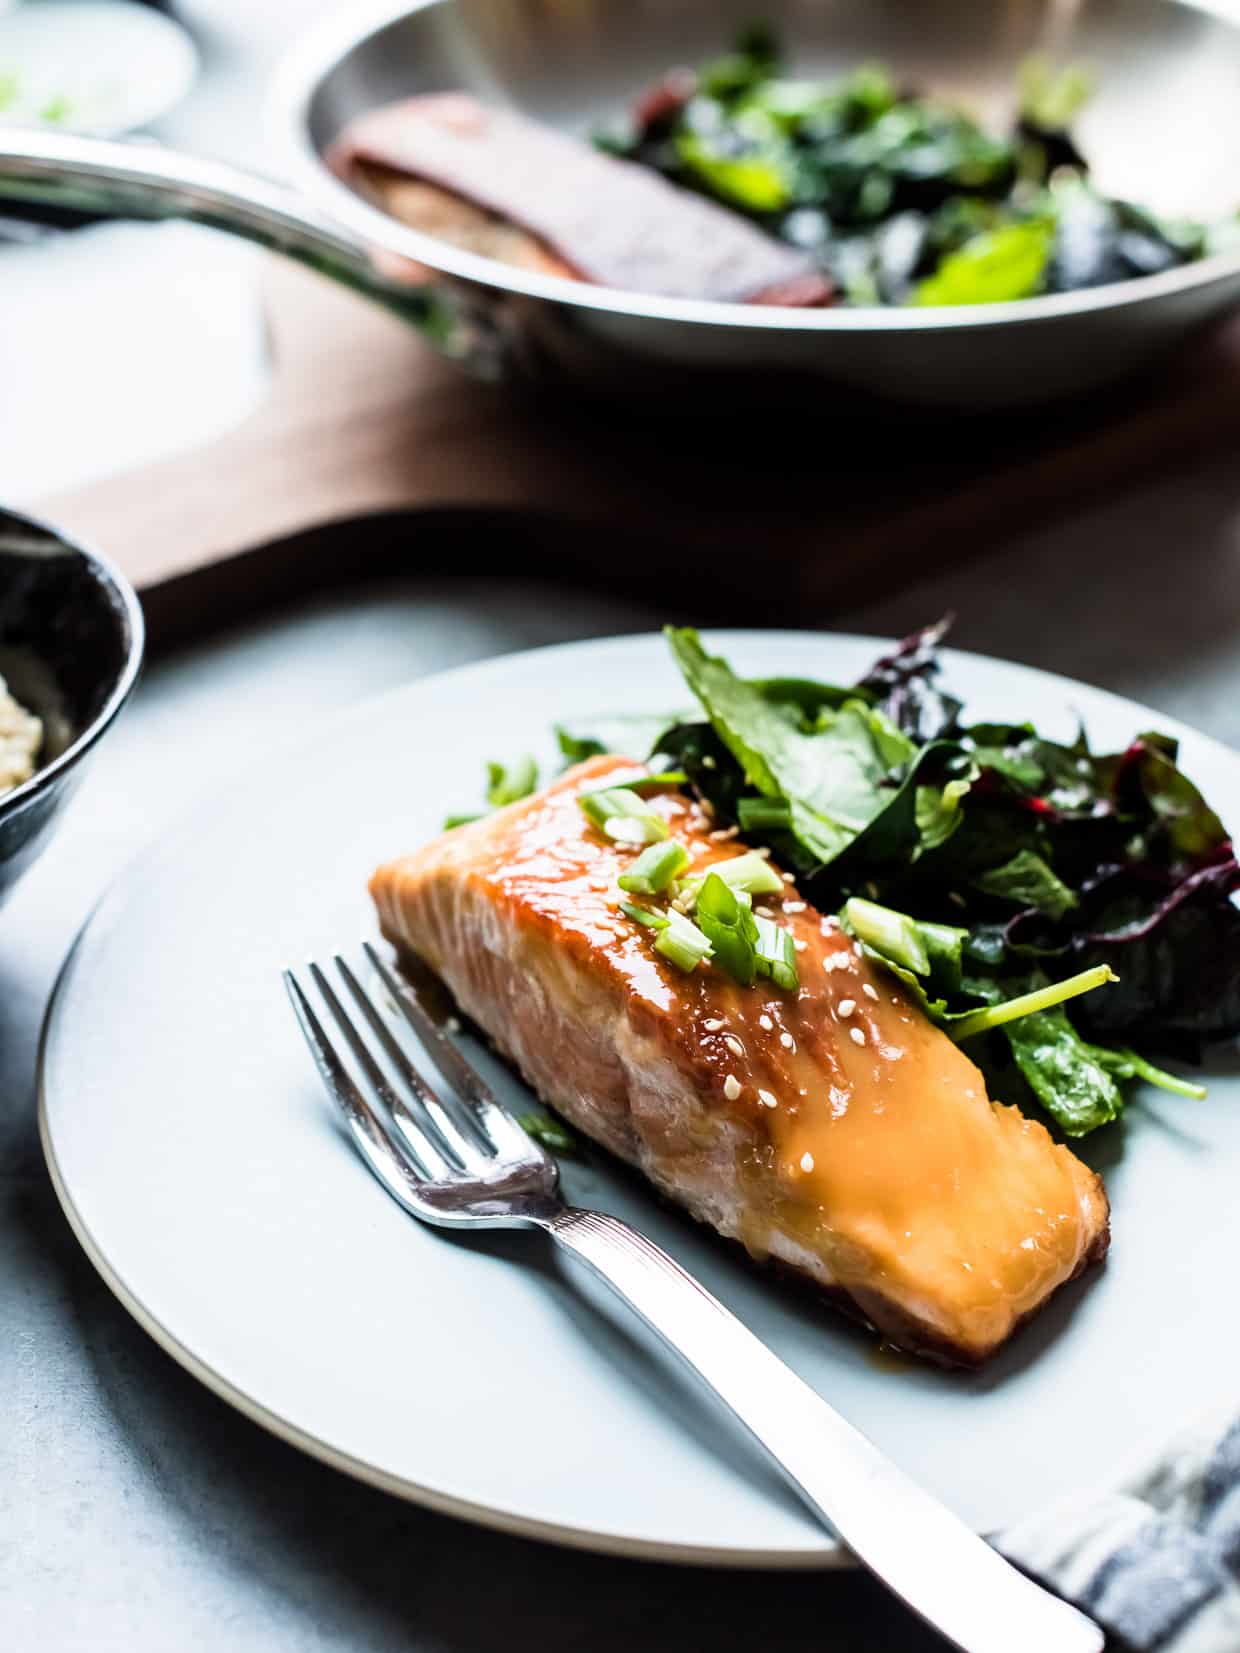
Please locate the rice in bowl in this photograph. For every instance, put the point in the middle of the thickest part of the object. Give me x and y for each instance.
(21, 736)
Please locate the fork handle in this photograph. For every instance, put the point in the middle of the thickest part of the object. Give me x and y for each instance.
(916, 1546)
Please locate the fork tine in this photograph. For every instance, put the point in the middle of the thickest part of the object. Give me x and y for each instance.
(423, 1135)
(476, 1095)
(393, 1163)
(439, 1114)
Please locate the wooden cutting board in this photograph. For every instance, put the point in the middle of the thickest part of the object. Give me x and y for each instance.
(777, 518)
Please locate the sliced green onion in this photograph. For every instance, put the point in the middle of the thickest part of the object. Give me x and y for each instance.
(618, 812)
(451, 821)
(643, 780)
(775, 955)
(682, 942)
(506, 782)
(557, 1138)
(751, 873)
(763, 814)
(643, 915)
(893, 934)
(1027, 1004)
(727, 922)
(655, 868)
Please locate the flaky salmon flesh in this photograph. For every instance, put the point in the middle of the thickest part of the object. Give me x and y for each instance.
(831, 1129)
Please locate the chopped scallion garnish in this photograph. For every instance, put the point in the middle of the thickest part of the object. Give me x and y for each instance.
(895, 935)
(451, 821)
(655, 868)
(644, 780)
(618, 812)
(506, 782)
(682, 943)
(775, 955)
(763, 814)
(751, 873)
(644, 915)
(727, 922)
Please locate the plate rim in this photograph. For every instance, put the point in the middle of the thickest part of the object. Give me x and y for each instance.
(829, 1555)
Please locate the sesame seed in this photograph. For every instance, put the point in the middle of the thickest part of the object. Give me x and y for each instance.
(452, 1025)
(857, 948)
(712, 1025)
(765, 1021)
(846, 1007)
(870, 991)
(807, 1162)
(798, 944)
(767, 1100)
(721, 834)
(763, 851)
(787, 1041)
(787, 878)
(856, 1035)
(707, 808)
(731, 1087)
(794, 906)
(837, 961)
(708, 762)
(763, 912)
(734, 1044)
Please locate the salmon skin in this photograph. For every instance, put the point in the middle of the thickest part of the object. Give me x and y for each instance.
(505, 186)
(831, 1129)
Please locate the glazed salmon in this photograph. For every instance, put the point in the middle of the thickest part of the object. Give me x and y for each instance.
(832, 1128)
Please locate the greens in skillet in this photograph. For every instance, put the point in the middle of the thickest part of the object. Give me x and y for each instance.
(1069, 913)
(901, 198)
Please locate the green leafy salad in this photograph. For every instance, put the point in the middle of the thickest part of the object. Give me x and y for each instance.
(900, 197)
(1071, 914)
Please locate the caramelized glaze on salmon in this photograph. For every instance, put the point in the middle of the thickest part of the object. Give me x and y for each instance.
(833, 1129)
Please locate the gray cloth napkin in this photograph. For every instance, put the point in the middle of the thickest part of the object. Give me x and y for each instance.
(1155, 1560)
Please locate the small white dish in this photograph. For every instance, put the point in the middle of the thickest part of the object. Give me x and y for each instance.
(203, 1171)
(96, 66)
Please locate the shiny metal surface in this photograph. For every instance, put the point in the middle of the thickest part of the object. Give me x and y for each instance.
(1164, 127)
(457, 1159)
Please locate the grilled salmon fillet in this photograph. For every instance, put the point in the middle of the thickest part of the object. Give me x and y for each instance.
(832, 1129)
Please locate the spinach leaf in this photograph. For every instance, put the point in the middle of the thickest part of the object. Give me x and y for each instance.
(835, 781)
(1063, 1072)
(993, 268)
(577, 748)
(508, 782)
(1029, 882)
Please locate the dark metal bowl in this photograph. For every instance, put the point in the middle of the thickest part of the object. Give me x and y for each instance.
(71, 638)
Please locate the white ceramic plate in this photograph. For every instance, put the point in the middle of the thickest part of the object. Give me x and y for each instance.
(204, 1173)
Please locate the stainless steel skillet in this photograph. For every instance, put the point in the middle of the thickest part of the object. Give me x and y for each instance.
(1164, 128)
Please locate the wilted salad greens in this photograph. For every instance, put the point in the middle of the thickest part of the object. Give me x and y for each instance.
(1069, 913)
(903, 199)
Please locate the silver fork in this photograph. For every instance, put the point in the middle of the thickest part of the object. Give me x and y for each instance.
(455, 1158)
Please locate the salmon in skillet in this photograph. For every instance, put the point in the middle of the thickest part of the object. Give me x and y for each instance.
(832, 1129)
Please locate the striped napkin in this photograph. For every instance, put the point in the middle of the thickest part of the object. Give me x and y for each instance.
(1156, 1559)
